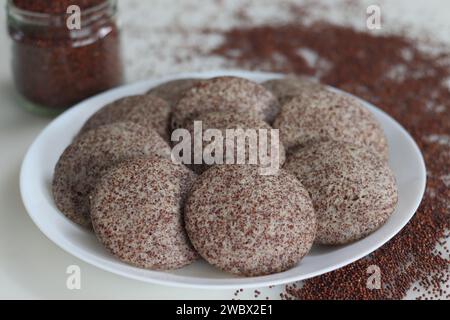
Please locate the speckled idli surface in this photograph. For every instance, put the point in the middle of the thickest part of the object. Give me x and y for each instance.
(325, 115)
(172, 91)
(91, 155)
(248, 224)
(226, 120)
(289, 87)
(137, 213)
(147, 110)
(353, 190)
(225, 94)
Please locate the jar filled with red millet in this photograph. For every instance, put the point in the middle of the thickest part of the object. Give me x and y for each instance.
(63, 51)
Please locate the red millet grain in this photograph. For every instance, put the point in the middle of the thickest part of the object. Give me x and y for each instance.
(391, 72)
(54, 6)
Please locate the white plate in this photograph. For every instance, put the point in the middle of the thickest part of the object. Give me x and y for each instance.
(37, 171)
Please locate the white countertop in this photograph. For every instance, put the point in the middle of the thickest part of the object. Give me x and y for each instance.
(31, 266)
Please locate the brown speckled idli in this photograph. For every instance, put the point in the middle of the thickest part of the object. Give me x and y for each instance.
(353, 190)
(325, 115)
(91, 154)
(173, 90)
(230, 120)
(137, 213)
(289, 87)
(248, 224)
(225, 94)
(147, 110)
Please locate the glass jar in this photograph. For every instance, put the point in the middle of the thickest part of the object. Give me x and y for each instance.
(56, 65)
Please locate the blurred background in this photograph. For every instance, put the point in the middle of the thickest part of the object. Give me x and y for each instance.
(160, 37)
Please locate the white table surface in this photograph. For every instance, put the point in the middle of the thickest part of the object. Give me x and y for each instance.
(33, 267)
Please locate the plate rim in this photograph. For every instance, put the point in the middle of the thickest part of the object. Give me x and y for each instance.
(243, 282)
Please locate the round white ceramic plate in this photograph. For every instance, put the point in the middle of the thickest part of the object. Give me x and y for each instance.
(37, 171)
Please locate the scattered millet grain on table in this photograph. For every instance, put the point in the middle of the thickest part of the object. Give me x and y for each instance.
(411, 85)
